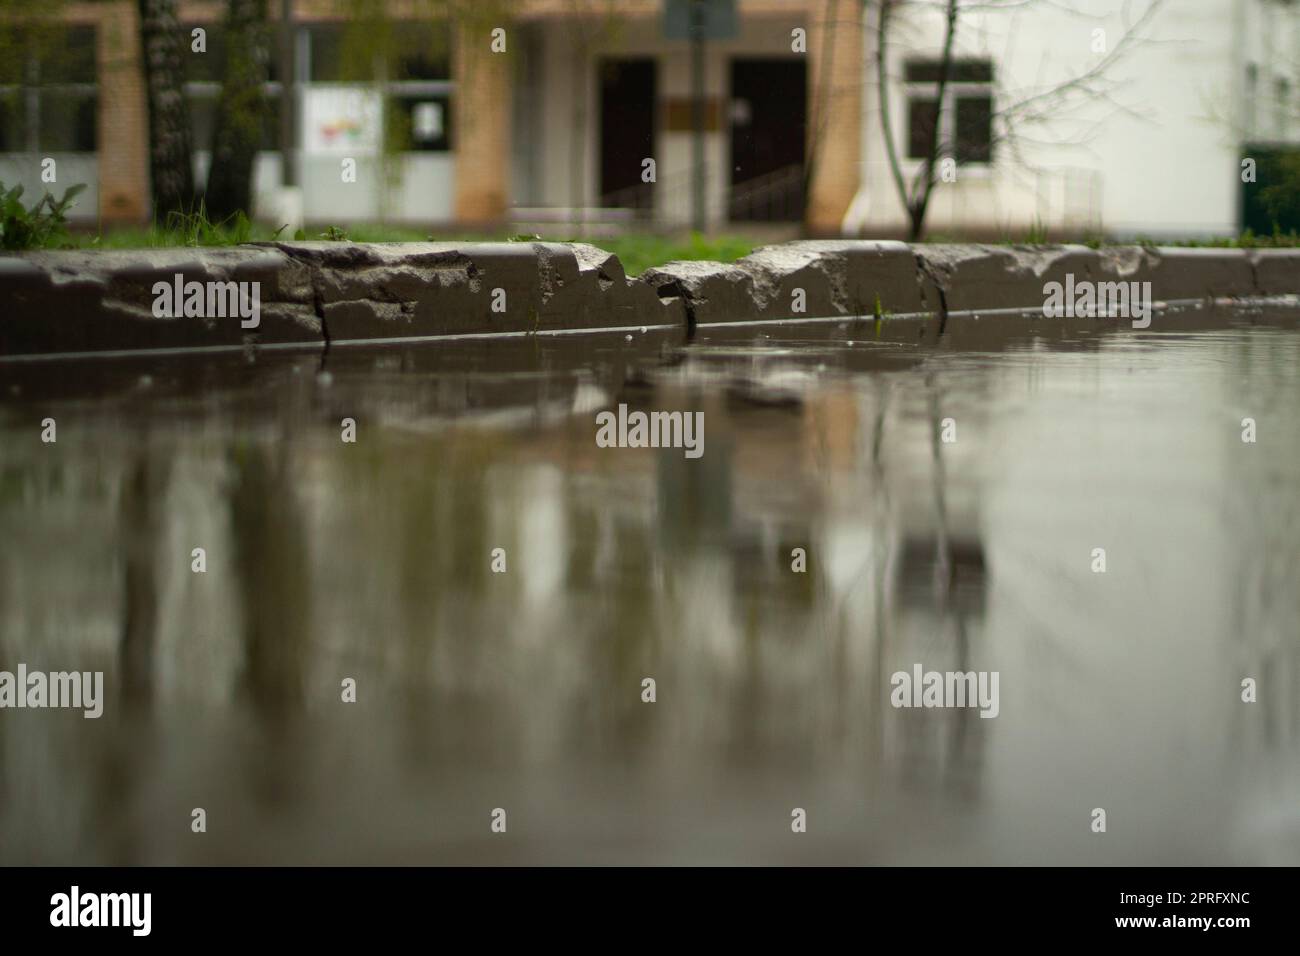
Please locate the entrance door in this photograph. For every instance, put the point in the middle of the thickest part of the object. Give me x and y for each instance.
(627, 131)
(769, 100)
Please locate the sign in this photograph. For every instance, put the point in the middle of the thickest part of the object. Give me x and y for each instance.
(344, 120)
(719, 19)
(426, 122)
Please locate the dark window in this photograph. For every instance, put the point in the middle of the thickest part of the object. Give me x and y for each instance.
(67, 121)
(326, 53)
(50, 103)
(425, 121)
(271, 124)
(205, 67)
(203, 118)
(422, 52)
(920, 124)
(959, 71)
(419, 92)
(72, 60)
(974, 129)
(209, 64)
(966, 116)
(13, 122)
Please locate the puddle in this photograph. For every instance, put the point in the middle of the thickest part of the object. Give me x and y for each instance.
(522, 690)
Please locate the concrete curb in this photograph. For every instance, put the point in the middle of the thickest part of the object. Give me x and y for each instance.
(315, 293)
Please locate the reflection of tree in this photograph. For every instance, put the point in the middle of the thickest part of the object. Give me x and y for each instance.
(143, 496)
(942, 577)
(962, 745)
(272, 569)
(119, 770)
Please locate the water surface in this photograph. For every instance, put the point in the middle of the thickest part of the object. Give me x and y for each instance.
(523, 690)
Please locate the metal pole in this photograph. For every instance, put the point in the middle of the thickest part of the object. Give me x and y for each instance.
(288, 157)
(698, 215)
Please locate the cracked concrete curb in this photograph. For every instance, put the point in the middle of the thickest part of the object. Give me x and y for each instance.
(316, 293)
(399, 290)
(800, 280)
(79, 301)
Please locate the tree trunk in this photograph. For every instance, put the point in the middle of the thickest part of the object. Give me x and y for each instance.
(237, 132)
(916, 219)
(170, 147)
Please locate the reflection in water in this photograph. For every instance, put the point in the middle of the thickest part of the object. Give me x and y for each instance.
(522, 690)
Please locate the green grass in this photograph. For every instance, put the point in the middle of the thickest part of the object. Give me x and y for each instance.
(1037, 235)
(638, 253)
(1247, 240)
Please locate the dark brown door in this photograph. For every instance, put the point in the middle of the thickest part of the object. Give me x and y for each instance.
(627, 130)
(769, 101)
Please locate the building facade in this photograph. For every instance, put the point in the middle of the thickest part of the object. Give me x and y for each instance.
(541, 108)
(1064, 119)
(1106, 124)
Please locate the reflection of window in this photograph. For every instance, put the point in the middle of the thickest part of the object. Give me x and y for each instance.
(51, 104)
(966, 116)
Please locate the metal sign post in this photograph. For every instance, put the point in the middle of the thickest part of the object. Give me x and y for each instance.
(699, 216)
(699, 21)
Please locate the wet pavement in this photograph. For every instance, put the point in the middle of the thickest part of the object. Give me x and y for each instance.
(946, 498)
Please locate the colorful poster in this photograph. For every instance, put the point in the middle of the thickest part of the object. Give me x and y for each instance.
(342, 119)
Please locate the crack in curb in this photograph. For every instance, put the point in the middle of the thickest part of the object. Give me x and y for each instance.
(924, 272)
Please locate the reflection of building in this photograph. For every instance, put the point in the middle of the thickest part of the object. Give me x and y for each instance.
(557, 127)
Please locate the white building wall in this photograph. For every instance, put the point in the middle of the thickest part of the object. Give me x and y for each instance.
(1270, 52)
(24, 169)
(1159, 157)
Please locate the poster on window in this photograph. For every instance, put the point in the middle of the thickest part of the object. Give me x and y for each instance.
(342, 120)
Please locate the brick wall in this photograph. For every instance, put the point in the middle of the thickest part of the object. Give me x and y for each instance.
(834, 112)
(123, 116)
(481, 134)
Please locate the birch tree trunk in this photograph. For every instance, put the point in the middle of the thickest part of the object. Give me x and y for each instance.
(170, 147)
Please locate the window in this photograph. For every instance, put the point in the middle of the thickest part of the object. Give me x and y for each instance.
(424, 120)
(420, 92)
(417, 91)
(966, 115)
(413, 69)
(203, 89)
(325, 58)
(50, 105)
